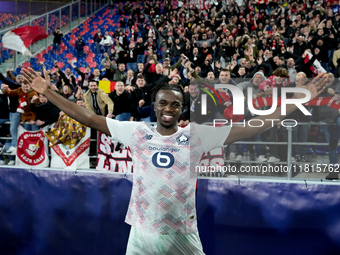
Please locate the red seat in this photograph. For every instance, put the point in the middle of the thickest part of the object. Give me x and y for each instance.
(26, 64)
(91, 55)
(69, 55)
(92, 64)
(60, 64)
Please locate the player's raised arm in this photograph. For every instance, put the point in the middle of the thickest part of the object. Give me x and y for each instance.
(81, 114)
(315, 87)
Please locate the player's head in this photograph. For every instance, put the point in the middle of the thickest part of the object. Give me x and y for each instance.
(168, 104)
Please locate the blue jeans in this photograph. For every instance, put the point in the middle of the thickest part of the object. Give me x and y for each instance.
(56, 47)
(2, 121)
(332, 132)
(258, 147)
(107, 49)
(125, 116)
(300, 134)
(271, 136)
(174, 60)
(7, 145)
(132, 66)
(30, 127)
(147, 119)
(15, 119)
(80, 53)
(98, 48)
(330, 55)
(325, 65)
(140, 59)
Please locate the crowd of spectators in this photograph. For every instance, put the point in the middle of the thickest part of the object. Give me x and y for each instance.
(246, 44)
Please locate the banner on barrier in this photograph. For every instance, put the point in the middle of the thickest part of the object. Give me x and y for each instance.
(31, 148)
(113, 156)
(75, 158)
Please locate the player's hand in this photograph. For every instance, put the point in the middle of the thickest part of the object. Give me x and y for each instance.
(39, 84)
(315, 87)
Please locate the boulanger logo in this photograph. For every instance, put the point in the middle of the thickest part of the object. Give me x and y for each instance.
(163, 159)
(31, 149)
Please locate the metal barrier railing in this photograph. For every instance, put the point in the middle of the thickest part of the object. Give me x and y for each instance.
(289, 143)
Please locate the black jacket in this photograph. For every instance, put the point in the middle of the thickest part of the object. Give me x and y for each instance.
(13, 101)
(47, 112)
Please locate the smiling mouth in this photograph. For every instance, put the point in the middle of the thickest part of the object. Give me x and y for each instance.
(167, 118)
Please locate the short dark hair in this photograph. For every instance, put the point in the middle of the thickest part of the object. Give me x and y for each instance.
(94, 81)
(140, 76)
(167, 86)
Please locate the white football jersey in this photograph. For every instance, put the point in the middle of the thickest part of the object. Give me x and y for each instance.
(164, 179)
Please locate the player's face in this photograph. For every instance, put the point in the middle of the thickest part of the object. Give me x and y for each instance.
(168, 108)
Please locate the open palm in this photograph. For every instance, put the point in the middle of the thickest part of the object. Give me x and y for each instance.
(315, 87)
(37, 83)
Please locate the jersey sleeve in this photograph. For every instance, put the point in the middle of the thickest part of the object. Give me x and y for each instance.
(212, 137)
(121, 130)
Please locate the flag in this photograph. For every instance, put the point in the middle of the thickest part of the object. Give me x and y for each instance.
(107, 86)
(316, 67)
(31, 149)
(20, 38)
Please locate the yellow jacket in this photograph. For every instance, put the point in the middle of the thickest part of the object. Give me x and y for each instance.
(102, 99)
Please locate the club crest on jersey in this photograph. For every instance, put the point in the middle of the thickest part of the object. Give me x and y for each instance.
(148, 137)
(183, 139)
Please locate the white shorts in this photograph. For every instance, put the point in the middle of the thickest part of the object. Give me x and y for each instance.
(142, 242)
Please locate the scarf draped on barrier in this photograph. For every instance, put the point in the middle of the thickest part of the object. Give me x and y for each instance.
(318, 101)
(66, 131)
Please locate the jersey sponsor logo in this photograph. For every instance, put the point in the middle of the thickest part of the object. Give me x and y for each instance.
(183, 139)
(163, 159)
(170, 149)
(148, 137)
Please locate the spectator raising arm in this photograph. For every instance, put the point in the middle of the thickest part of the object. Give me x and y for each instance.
(75, 111)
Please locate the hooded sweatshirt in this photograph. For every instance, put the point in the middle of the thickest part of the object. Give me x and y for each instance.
(244, 87)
